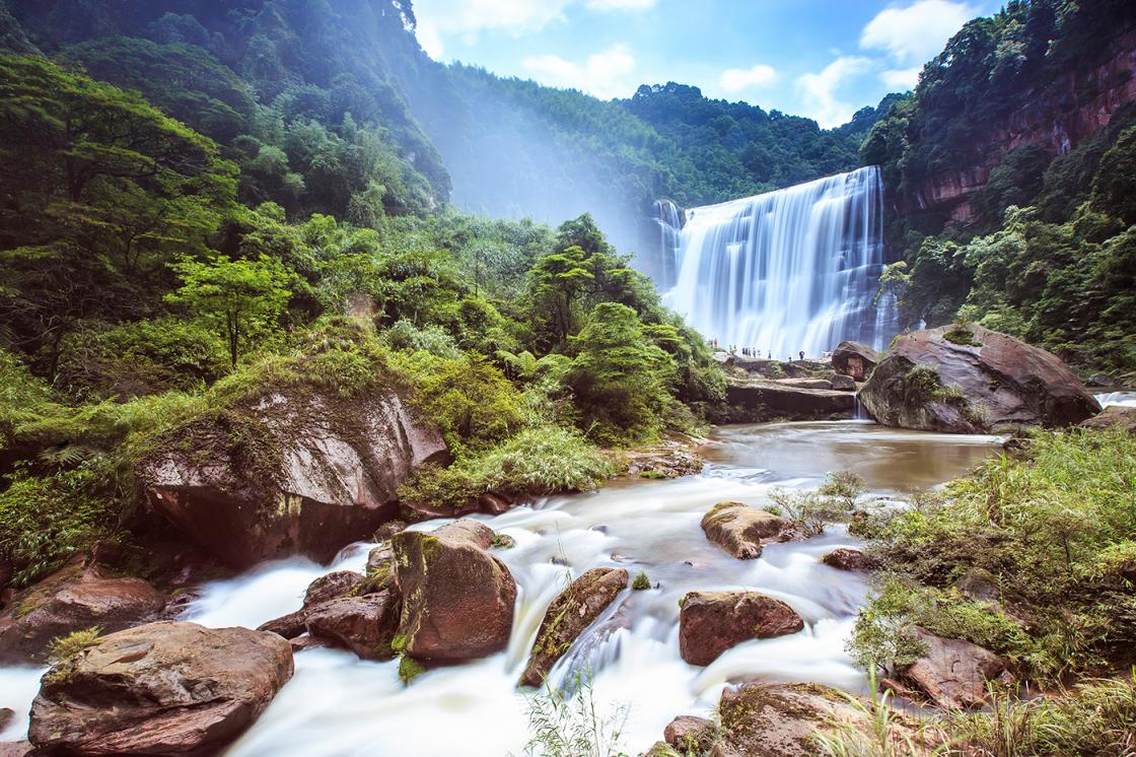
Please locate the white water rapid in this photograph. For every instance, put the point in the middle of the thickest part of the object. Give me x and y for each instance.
(786, 271)
(340, 706)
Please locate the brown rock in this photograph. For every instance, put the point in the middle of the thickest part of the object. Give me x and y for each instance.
(384, 532)
(457, 598)
(323, 589)
(710, 622)
(741, 530)
(73, 599)
(567, 617)
(783, 720)
(6, 716)
(953, 673)
(161, 688)
(970, 380)
(753, 400)
(854, 360)
(844, 558)
(365, 625)
(842, 383)
(690, 735)
(331, 586)
(306, 641)
(16, 749)
(493, 504)
(380, 557)
(300, 470)
(1113, 416)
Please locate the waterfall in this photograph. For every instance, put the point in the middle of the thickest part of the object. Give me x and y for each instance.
(669, 219)
(791, 270)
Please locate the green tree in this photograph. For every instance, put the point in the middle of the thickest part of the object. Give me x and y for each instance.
(620, 378)
(101, 191)
(244, 297)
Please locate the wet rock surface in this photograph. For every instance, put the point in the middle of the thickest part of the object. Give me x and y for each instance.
(318, 472)
(365, 625)
(321, 590)
(742, 530)
(569, 614)
(973, 380)
(161, 688)
(457, 597)
(75, 598)
(710, 622)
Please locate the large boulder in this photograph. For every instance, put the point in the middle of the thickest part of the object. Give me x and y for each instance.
(742, 530)
(1113, 416)
(752, 400)
(75, 598)
(568, 616)
(161, 688)
(952, 673)
(366, 625)
(457, 598)
(298, 470)
(710, 622)
(973, 380)
(854, 360)
(783, 720)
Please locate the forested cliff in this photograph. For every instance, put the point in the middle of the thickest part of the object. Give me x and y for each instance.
(1010, 174)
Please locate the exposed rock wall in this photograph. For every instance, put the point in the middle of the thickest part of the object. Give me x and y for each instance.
(1057, 118)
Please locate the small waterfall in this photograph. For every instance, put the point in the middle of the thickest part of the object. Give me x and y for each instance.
(669, 219)
(786, 271)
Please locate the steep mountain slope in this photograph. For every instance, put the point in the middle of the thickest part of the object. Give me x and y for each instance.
(275, 80)
(1010, 176)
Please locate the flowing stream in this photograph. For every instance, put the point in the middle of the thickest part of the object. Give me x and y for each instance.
(339, 705)
(787, 271)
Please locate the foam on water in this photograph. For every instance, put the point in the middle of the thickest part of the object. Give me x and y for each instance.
(339, 705)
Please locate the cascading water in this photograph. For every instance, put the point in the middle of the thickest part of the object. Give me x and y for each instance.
(669, 219)
(786, 271)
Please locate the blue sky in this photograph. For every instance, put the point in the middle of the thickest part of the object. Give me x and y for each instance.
(819, 58)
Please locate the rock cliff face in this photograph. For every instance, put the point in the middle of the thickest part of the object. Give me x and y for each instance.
(1058, 117)
(295, 471)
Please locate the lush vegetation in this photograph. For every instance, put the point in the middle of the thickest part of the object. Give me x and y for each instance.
(1034, 559)
(1046, 252)
(145, 285)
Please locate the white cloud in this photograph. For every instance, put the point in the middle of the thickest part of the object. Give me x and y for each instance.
(901, 78)
(461, 17)
(430, 40)
(914, 34)
(738, 79)
(603, 74)
(820, 91)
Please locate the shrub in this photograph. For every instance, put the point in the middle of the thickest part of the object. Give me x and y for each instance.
(64, 647)
(138, 358)
(542, 460)
(1054, 531)
(621, 380)
(642, 582)
(44, 520)
(469, 399)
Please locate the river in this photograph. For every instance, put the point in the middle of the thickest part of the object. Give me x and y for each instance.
(339, 705)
